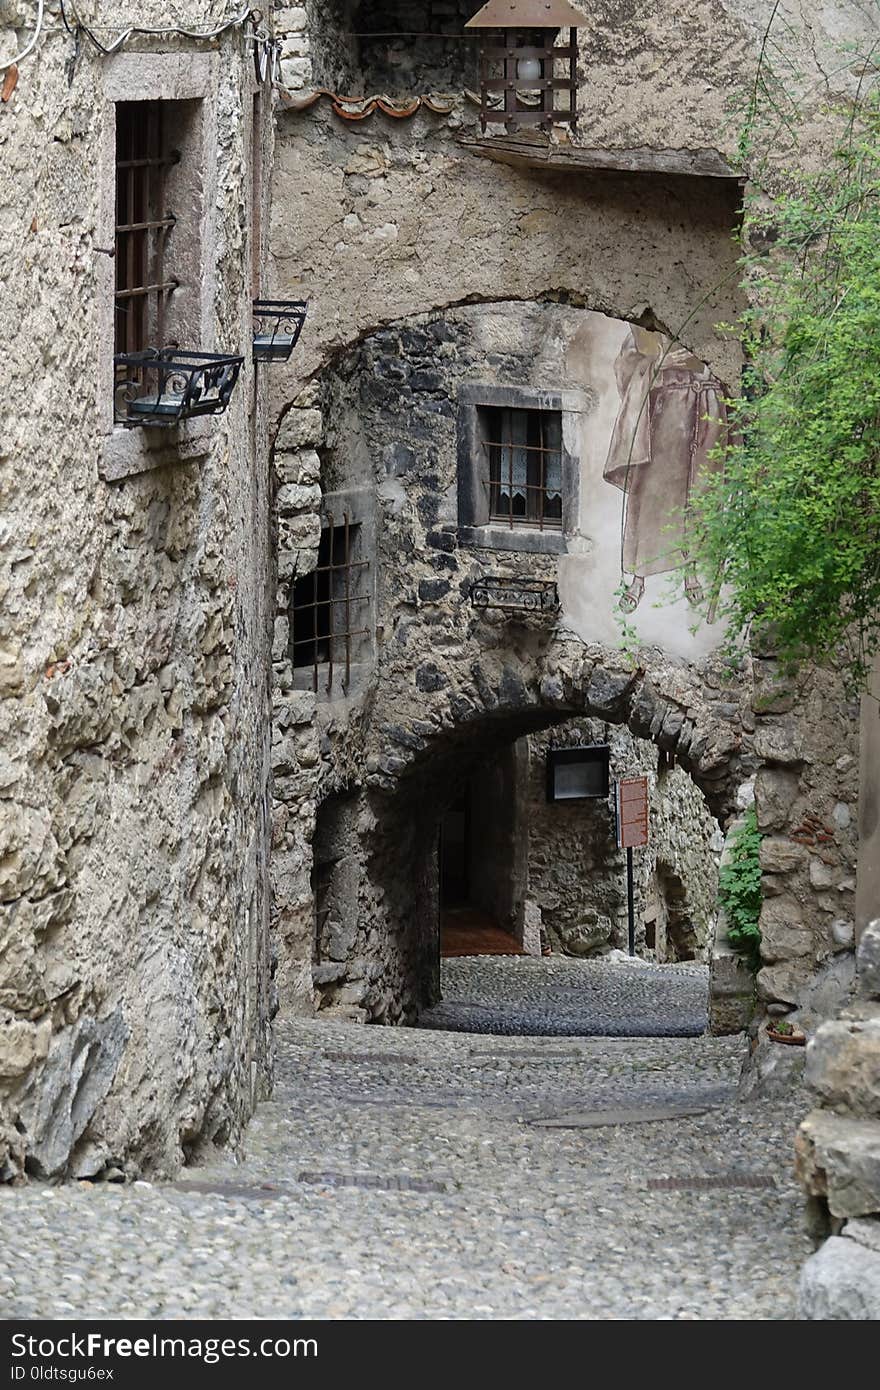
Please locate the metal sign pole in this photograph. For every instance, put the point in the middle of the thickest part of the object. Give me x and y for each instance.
(630, 902)
(632, 814)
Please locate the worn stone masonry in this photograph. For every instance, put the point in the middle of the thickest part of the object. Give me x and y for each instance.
(838, 1152)
(139, 577)
(386, 222)
(135, 991)
(396, 751)
(347, 434)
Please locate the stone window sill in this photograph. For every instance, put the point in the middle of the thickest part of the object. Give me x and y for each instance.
(127, 452)
(512, 538)
(303, 679)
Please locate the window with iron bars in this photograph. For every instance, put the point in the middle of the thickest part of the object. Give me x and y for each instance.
(143, 224)
(523, 451)
(330, 608)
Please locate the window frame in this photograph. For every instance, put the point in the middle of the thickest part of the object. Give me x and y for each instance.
(497, 441)
(476, 526)
(142, 287)
(163, 77)
(335, 679)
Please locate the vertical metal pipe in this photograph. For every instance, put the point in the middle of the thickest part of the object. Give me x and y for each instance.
(347, 605)
(330, 577)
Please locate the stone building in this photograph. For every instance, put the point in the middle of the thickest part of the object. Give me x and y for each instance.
(251, 658)
(135, 965)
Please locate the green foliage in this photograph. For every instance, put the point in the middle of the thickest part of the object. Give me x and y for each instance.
(787, 540)
(739, 890)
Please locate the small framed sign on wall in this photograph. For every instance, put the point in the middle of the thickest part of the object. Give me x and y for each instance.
(578, 774)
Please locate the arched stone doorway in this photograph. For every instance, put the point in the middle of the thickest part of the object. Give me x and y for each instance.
(376, 849)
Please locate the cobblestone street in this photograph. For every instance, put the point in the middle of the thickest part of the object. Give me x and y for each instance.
(564, 997)
(436, 1174)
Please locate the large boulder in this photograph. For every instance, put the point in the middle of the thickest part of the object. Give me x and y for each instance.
(841, 1281)
(838, 1159)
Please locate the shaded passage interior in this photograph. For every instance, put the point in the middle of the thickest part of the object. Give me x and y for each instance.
(475, 857)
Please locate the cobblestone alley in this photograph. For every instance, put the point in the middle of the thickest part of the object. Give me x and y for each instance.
(441, 1174)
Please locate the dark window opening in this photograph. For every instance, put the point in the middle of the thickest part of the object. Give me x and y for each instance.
(330, 608)
(143, 223)
(575, 774)
(416, 47)
(322, 884)
(523, 449)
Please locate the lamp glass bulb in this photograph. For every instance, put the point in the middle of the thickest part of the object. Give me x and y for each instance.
(528, 70)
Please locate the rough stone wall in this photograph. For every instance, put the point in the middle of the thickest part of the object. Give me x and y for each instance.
(134, 970)
(806, 797)
(317, 47)
(399, 212)
(577, 876)
(416, 63)
(838, 1152)
(352, 48)
(652, 79)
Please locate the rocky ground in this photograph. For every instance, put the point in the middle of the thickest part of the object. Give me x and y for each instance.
(436, 1174)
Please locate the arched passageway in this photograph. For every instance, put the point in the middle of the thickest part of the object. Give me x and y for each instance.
(386, 864)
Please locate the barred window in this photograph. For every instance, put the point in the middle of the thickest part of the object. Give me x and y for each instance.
(330, 609)
(523, 450)
(143, 224)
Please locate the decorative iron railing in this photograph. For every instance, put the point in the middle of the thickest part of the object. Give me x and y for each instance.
(162, 386)
(277, 326)
(515, 595)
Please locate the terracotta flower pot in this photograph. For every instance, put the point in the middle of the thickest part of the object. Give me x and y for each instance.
(793, 1039)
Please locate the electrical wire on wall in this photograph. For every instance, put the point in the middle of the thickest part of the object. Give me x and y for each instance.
(266, 49)
(78, 25)
(30, 45)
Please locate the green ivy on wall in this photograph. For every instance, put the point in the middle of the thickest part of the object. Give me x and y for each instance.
(739, 890)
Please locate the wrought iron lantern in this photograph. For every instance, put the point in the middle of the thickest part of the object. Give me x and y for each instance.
(162, 386)
(526, 78)
(277, 326)
(578, 774)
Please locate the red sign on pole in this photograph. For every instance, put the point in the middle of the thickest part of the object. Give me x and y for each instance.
(632, 813)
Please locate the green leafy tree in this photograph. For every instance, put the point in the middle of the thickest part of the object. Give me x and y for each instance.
(788, 538)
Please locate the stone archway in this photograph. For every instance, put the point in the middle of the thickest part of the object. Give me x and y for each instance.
(447, 677)
(416, 760)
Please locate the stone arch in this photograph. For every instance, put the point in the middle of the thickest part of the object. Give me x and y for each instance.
(499, 697)
(414, 762)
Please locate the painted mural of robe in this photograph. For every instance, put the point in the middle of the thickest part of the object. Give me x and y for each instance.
(670, 420)
(650, 418)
